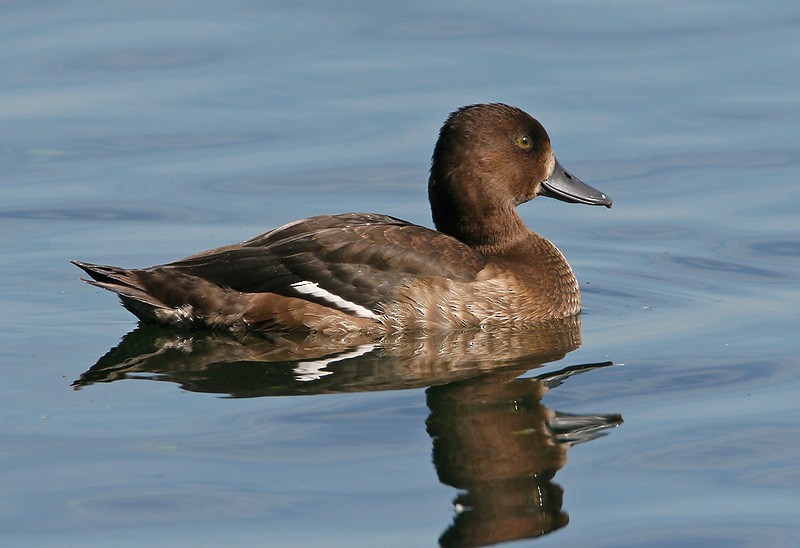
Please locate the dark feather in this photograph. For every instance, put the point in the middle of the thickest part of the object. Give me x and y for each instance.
(361, 258)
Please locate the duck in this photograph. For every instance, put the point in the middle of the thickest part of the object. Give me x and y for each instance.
(333, 274)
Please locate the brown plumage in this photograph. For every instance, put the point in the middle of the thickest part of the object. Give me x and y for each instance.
(372, 272)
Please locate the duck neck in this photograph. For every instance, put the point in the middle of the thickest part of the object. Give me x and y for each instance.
(480, 222)
(493, 230)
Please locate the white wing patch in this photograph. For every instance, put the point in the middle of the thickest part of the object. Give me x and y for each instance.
(311, 288)
(313, 370)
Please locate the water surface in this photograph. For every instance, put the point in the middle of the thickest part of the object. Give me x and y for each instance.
(136, 134)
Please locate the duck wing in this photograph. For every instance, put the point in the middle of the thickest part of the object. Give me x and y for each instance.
(351, 262)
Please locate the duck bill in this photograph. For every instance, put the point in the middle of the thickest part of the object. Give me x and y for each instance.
(564, 186)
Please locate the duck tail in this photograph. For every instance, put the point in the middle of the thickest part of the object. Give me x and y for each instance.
(128, 285)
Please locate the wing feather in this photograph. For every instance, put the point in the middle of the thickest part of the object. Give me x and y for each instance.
(359, 258)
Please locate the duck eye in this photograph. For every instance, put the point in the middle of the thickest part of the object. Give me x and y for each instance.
(524, 142)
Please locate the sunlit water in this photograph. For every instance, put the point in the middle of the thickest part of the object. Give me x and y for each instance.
(135, 134)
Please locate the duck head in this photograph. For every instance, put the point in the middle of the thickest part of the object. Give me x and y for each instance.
(488, 159)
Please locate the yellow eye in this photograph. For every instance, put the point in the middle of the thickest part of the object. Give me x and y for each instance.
(524, 142)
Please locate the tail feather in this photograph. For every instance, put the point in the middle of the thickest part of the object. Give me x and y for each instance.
(102, 273)
(121, 281)
(164, 296)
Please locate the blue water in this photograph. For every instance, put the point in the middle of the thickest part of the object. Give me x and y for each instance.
(134, 134)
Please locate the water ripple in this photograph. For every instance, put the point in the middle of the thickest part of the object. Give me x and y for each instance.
(707, 533)
(781, 249)
(718, 450)
(131, 504)
(724, 269)
(126, 60)
(649, 231)
(147, 212)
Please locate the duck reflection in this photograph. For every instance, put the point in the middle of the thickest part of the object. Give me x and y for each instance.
(493, 440)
